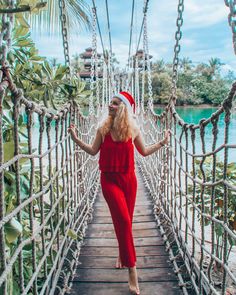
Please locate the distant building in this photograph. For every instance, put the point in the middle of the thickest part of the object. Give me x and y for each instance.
(140, 55)
(85, 73)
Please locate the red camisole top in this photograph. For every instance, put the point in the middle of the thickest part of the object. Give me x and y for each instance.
(116, 156)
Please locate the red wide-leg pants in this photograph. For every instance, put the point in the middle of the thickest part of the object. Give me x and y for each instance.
(119, 190)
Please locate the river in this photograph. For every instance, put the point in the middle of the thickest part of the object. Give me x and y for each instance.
(195, 114)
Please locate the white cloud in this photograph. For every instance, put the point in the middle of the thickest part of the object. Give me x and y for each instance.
(200, 19)
(205, 13)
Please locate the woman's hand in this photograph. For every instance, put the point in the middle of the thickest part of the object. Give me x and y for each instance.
(166, 138)
(72, 131)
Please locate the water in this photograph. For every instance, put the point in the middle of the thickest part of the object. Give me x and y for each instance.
(189, 115)
(194, 115)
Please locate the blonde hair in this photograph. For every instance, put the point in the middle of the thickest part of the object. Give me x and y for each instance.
(122, 124)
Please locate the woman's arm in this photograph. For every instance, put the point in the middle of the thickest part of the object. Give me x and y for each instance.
(91, 149)
(146, 151)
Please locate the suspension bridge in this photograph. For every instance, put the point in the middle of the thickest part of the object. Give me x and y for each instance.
(56, 236)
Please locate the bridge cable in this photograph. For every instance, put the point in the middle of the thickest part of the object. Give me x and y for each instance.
(141, 30)
(109, 28)
(131, 30)
(93, 76)
(64, 32)
(178, 36)
(99, 29)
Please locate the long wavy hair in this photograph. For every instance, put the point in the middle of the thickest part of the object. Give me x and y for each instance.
(123, 124)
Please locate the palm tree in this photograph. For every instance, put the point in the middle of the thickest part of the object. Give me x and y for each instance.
(76, 62)
(48, 20)
(214, 66)
(159, 66)
(185, 64)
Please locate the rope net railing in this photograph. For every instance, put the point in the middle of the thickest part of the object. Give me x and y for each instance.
(193, 186)
(192, 183)
(47, 191)
(47, 185)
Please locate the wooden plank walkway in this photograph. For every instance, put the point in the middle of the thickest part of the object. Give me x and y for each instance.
(97, 275)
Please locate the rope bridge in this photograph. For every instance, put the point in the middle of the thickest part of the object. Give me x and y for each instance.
(48, 187)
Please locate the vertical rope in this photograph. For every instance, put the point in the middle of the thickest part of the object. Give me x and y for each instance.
(227, 107)
(41, 174)
(63, 174)
(17, 177)
(175, 166)
(186, 184)
(70, 152)
(31, 213)
(171, 156)
(202, 134)
(51, 188)
(143, 78)
(2, 202)
(137, 94)
(67, 169)
(57, 181)
(213, 189)
(104, 85)
(180, 180)
(193, 137)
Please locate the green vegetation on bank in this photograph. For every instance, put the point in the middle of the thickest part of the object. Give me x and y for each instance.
(46, 82)
(202, 83)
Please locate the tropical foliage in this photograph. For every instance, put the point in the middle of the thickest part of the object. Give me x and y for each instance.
(217, 197)
(40, 80)
(197, 84)
(45, 83)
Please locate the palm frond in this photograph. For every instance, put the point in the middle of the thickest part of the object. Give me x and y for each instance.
(77, 13)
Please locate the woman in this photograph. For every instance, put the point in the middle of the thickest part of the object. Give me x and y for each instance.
(116, 139)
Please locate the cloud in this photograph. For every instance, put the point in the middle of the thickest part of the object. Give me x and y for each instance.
(205, 13)
(205, 29)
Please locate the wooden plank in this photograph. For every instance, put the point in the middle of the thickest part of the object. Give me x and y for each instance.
(163, 274)
(109, 262)
(155, 288)
(138, 208)
(101, 242)
(110, 233)
(136, 226)
(107, 219)
(112, 251)
(143, 202)
(137, 212)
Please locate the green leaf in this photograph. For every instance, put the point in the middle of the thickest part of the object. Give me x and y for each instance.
(8, 148)
(12, 230)
(22, 21)
(20, 31)
(47, 69)
(60, 72)
(72, 234)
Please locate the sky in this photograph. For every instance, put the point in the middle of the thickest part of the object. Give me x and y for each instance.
(206, 32)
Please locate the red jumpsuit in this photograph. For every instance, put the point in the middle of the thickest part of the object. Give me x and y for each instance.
(119, 187)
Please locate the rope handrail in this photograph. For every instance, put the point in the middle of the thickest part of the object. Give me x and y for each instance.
(178, 179)
(52, 199)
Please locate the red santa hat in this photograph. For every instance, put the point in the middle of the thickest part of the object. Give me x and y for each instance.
(127, 99)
